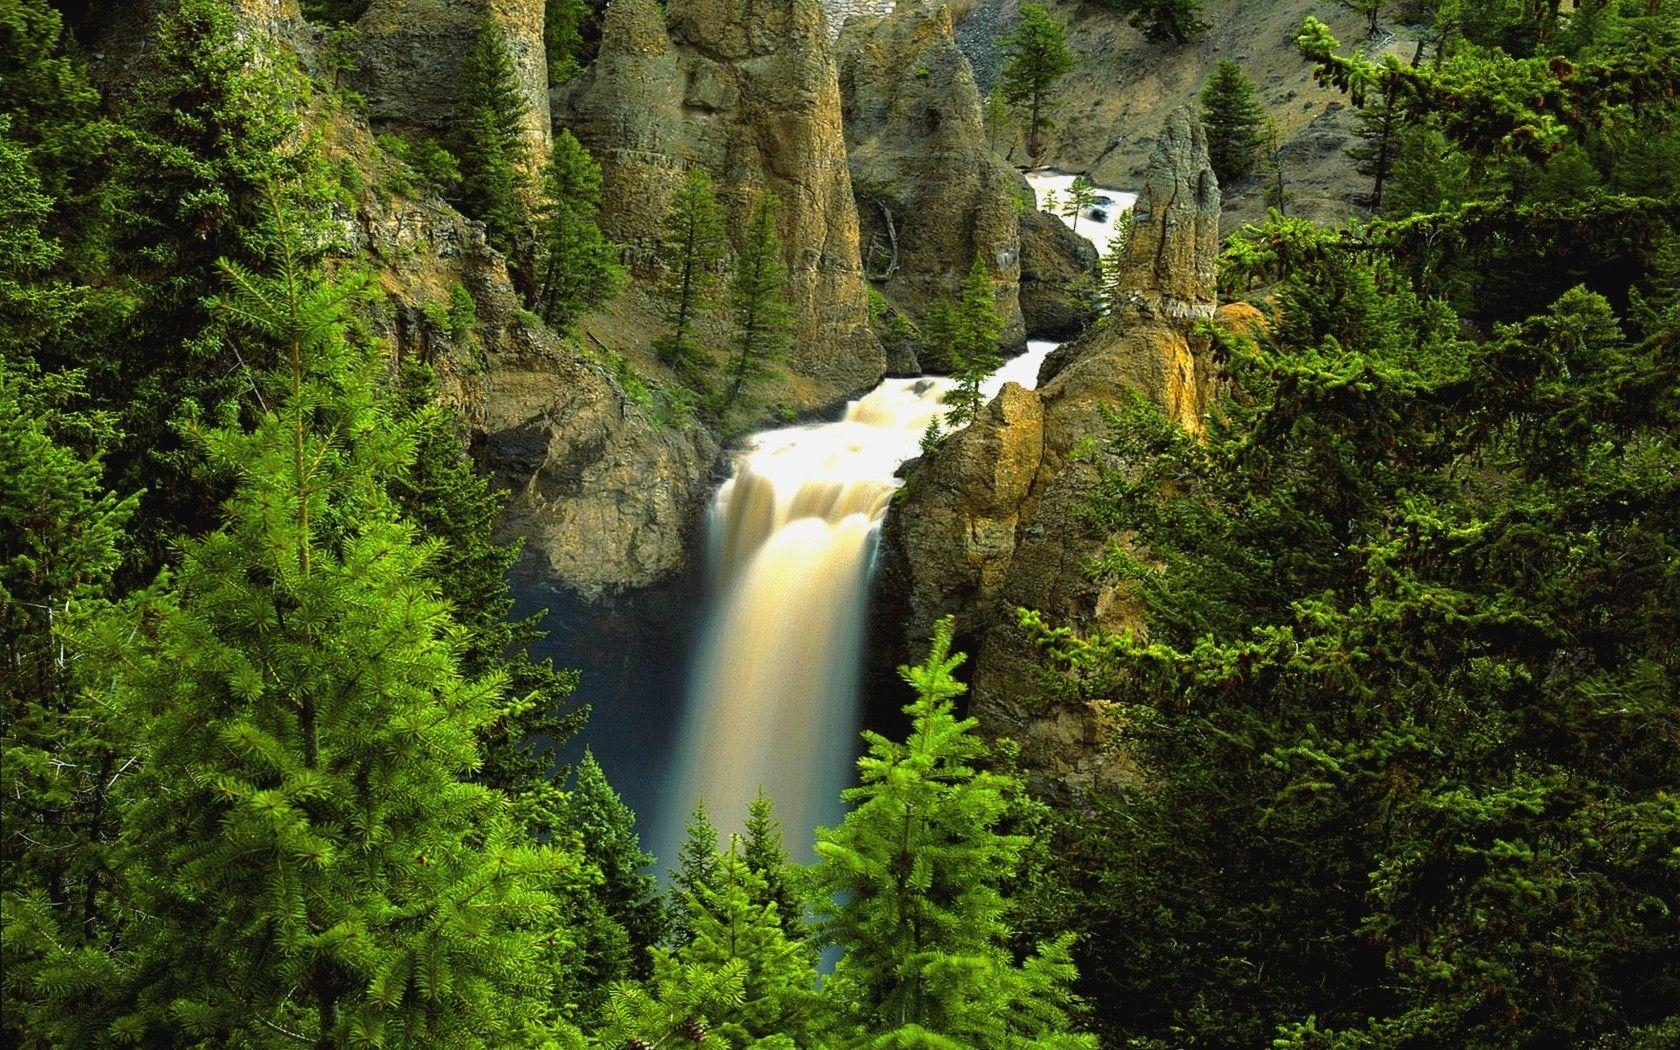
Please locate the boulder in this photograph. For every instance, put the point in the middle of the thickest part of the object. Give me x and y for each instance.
(1055, 264)
(931, 194)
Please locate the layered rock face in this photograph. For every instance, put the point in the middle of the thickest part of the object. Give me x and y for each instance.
(748, 91)
(993, 520)
(410, 69)
(931, 193)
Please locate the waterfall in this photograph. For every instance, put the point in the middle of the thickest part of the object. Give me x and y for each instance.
(773, 701)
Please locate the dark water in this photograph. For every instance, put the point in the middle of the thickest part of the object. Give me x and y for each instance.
(632, 655)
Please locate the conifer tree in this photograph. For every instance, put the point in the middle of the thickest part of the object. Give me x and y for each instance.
(207, 132)
(452, 503)
(59, 547)
(490, 145)
(969, 334)
(766, 856)
(740, 982)
(696, 864)
(758, 301)
(910, 883)
(1379, 129)
(563, 22)
(301, 845)
(1036, 58)
(1234, 122)
(631, 916)
(1179, 21)
(579, 267)
(691, 246)
(1081, 196)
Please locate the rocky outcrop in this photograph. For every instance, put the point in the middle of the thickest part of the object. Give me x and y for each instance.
(748, 91)
(410, 63)
(1171, 268)
(1056, 264)
(604, 497)
(931, 193)
(994, 520)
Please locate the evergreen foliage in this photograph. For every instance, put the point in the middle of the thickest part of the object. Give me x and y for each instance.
(766, 856)
(579, 267)
(696, 865)
(489, 142)
(60, 536)
(740, 981)
(966, 335)
(1161, 21)
(1390, 600)
(447, 500)
(1035, 59)
(621, 916)
(563, 24)
(758, 302)
(691, 246)
(299, 840)
(909, 888)
(1081, 196)
(1234, 122)
(205, 137)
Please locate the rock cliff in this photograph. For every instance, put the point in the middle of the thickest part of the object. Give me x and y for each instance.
(747, 90)
(410, 62)
(992, 521)
(931, 193)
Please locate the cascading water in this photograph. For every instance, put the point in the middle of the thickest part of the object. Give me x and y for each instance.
(773, 701)
(792, 534)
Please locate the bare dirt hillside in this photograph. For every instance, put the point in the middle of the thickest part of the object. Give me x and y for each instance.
(1115, 102)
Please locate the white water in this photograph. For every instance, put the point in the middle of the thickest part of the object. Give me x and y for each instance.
(774, 697)
(1098, 223)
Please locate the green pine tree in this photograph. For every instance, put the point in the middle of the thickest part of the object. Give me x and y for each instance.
(451, 502)
(969, 333)
(299, 847)
(1081, 196)
(766, 856)
(563, 23)
(910, 892)
(692, 244)
(1035, 59)
(1178, 21)
(60, 534)
(489, 142)
(759, 305)
(696, 864)
(739, 982)
(1234, 122)
(579, 267)
(207, 131)
(624, 913)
